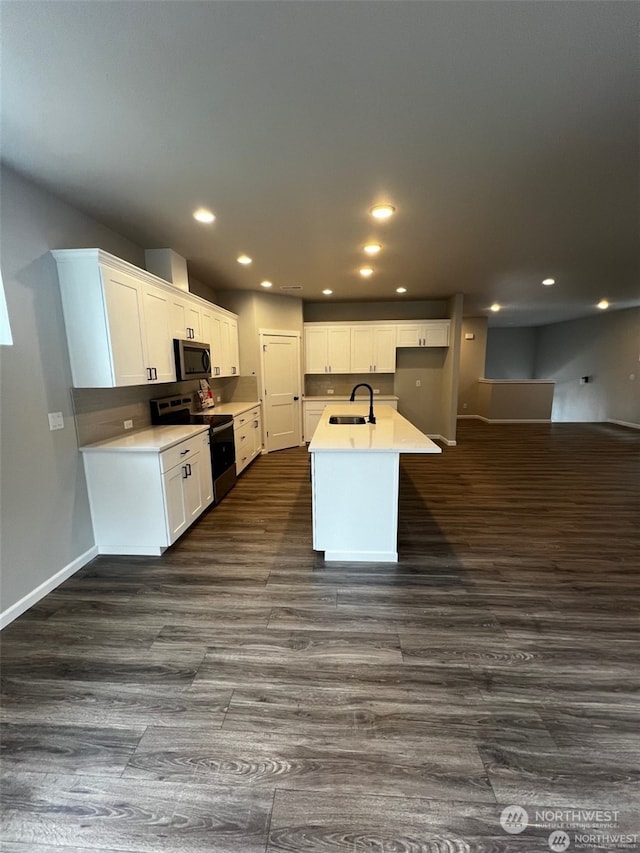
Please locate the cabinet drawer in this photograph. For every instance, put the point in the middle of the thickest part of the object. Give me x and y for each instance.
(180, 453)
(248, 417)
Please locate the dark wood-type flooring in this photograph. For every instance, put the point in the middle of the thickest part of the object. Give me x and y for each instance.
(239, 695)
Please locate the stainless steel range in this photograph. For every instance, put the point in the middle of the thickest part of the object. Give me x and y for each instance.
(180, 410)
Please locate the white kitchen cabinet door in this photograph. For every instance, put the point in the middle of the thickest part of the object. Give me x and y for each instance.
(192, 485)
(312, 414)
(125, 322)
(339, 349)
(229, 346)
(216, 344)
(158, 333)
(384, 349)
(247, 434)
(373, 349)
(427, 333)
(234, 349)
(186, 318)
(175, 504)
(315, 349)
(409, 335)
(436, 333)
(327, 349)
(362, 359)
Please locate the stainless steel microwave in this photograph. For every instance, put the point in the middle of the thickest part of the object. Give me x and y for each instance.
(193, 359)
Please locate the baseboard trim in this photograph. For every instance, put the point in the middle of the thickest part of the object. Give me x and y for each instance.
(508, 420)
(17, 609)
(447, 441)
(623, 423)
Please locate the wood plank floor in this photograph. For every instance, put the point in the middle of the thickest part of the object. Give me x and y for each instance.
(239, 694)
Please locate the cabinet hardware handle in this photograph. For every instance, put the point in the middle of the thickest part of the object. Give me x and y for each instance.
(155, 373)
(149, 377)
(189, 468)
(185, 473)
(184, 452)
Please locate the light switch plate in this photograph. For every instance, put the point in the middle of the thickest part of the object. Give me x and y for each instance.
(56, 421)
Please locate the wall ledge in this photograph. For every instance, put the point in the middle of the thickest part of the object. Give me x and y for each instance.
(518, 381)
(45, 588)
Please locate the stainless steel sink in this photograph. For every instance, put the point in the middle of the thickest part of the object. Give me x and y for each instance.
(347, 419)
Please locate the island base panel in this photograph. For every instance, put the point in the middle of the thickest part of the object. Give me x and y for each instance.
(355, 506)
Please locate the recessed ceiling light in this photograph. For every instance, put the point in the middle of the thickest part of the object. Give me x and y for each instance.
(327, 292)
(603, 304)
(265, 284)
(245, 260)
(401, 289)
(495, 307)
(382, 211)
(372, 248)
(365, 272)
(203, 215)
(548, 281)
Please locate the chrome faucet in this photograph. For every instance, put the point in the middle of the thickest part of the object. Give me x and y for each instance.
(372, 419)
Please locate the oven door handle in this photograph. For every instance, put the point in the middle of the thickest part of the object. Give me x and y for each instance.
(222, 427)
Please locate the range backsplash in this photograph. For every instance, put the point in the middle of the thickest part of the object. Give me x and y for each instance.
(100, 412)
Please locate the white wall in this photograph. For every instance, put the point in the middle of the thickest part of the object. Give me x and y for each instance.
(606, 348)
(45, 524)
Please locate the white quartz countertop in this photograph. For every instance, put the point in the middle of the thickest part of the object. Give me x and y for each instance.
(151, 440)
(233, 408)
(332, 398)
(391, 432)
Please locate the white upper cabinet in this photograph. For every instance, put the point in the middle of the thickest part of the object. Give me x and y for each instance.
(424, 333)
(224, 344)
(118, 324)
(186, 319)
(373, 349)
(157, 320)
(121, 321)
(327, 349)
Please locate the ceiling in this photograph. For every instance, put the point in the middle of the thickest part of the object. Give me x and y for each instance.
(504, 133)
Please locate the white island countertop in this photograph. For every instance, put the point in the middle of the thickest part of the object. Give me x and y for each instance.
(151, 440)
(390, 433)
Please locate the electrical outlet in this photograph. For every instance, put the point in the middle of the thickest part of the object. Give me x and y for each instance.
(128, 424)
(329, 390)
(56, 421)
(464, 405)
(632, 376)
(418, 383)
(376, 390)
(218, 398)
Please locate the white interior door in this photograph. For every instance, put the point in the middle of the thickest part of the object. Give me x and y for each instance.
(281, 389)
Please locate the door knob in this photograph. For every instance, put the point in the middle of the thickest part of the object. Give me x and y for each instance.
(296, 398)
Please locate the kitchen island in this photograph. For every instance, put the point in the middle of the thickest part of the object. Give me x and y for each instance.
(355, 476)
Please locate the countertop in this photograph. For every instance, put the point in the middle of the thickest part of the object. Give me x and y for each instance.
(151, 440)
(333, 398)
(233, 408)
(391, 432)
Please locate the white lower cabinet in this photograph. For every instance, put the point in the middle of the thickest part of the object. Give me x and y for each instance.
(312, 414)
(247, 434)
(143, 500)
